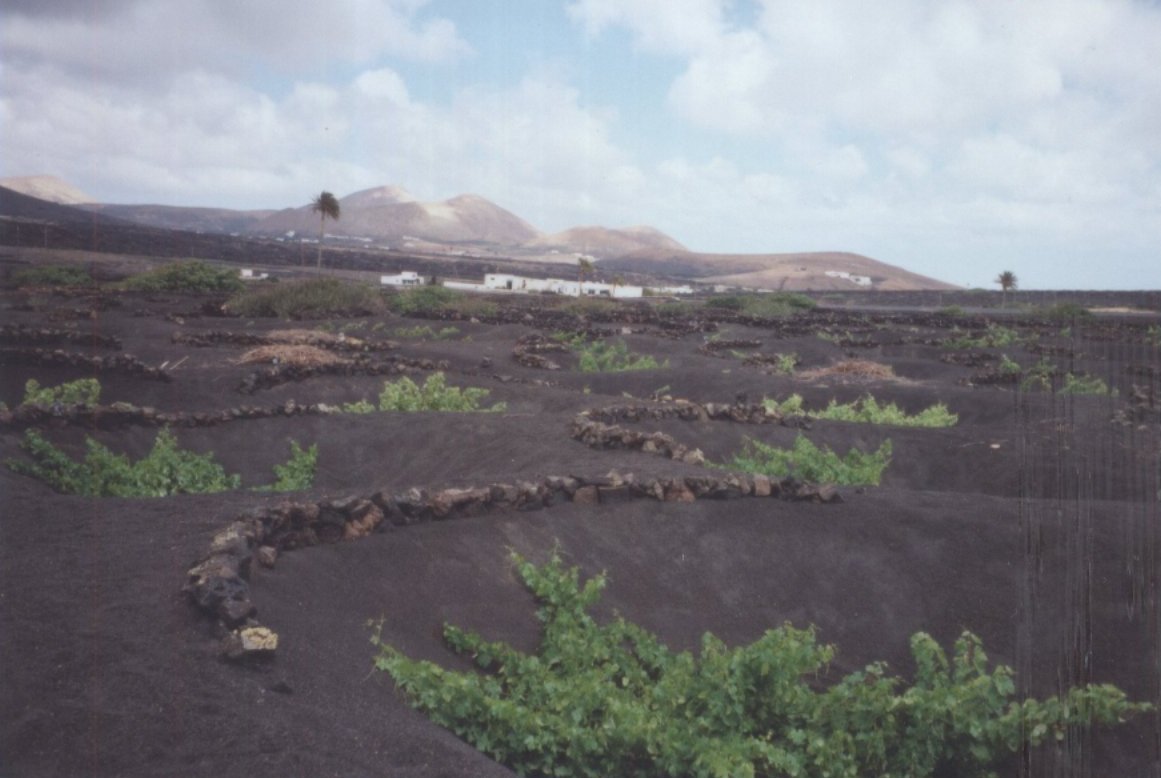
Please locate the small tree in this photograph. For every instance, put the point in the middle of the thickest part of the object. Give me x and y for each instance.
(327, 207)
(1007, 281)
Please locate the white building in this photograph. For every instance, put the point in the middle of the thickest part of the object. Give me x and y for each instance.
(857, 280)
(246, 274)
(406, 278)
(503, 282)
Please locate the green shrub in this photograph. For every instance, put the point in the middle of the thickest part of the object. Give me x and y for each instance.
(426, 333)
(1063, 311)
(166, 470)
(1009, 366)
(1153, 335)
(612, 700)
(52, 275)
(614, 357)
(423, 299)
(192, 276)
(768, 305)
(786, 363)
(994, 336)
(85, 391)
(1083, 384)
(808, 462)
(953, 311)
(435, 395)
(867, 410)
(315, 298)
(297, 473)
(1039, 375)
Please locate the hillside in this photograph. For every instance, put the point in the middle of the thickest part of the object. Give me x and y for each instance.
(49, 188)
(798, 271)
(603, 242)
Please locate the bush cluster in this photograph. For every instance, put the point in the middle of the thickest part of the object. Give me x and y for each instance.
(166, 470)
(769, 305)
(867, 410)
(52, 275)
(613, 357)
(435, 395)
(85, 391)
(191, 276)
(423, 299)
(603, 700)
(808, 462)
(314, 298)
(994, 336)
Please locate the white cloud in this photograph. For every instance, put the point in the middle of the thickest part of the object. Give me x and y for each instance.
(150, 41)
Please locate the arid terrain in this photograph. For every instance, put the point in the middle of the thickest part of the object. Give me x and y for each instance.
(1032, 522)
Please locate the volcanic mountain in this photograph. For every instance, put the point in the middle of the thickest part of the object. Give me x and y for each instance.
(391, 214)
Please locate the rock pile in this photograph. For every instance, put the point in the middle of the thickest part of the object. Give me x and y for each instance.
(276, 375)
(20, 335)
(121, 363)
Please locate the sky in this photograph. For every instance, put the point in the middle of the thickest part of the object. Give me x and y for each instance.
(953, 139)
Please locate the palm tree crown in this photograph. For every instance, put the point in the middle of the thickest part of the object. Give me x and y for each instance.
(326, 205)
(1007, 281)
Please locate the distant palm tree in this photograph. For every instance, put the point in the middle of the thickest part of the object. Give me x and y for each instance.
(327, 207)
(584, 269)
(1006, 280)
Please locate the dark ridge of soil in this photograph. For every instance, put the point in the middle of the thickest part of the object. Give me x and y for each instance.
(1034, 522)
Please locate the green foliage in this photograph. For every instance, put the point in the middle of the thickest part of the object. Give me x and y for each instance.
(166, 470)
(1009, 366)
(435, 395)
(614, 357)
(806, 461)
(1083, 384)
(953, 311)
(1039, 375)
(1063, 312)
(786, 363)
(192, 276)
(995, 336)
(425, 333)
(52, 275)
(612, 700)
(423, 299)
(84, 391)
(867, 410)
(315, 298)
(1153, 335)
(770, 305)
(297, 473)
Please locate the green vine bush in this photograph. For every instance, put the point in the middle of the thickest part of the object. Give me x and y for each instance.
(166, 470)
(433, 395)
(995, 336)
(315, 298)
(867, 410)
(612, 700)
(192, 276)
(771, 305)
(1084, 384)
(53, 275)
(423, 299)
(615, 357)
(808, 462)
(85, 391)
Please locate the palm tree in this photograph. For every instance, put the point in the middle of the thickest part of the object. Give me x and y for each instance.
(584, 269)
(327, 207)
(1006, 280)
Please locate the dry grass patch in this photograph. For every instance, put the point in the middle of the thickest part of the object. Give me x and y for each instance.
(853, 369)
(300, 337)
(299, 355)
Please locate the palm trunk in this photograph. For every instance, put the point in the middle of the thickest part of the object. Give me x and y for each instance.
(321, 224)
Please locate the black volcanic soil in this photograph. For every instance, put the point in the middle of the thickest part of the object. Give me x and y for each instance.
(1034, 522)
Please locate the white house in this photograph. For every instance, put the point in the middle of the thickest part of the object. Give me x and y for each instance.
(857, 280)
(406, 278)
(246, 274)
